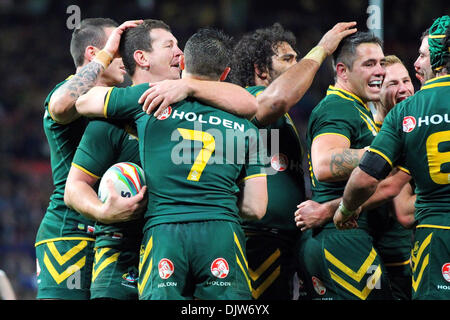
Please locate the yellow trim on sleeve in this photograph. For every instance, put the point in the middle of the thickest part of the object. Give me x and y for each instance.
(254, 176)
(381, 154)
(404, 169)
(85, 171)
(432, 226)
(105, 107)
(337, 134)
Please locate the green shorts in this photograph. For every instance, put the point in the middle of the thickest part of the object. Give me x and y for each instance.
(115, 273)
(203, 260)
(271, 262)
(431, 263)
(342, 265)
(64, 268)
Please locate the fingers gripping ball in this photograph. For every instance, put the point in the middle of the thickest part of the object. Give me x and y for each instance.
(128, 179)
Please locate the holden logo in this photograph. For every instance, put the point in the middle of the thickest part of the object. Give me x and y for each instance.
(219, 268)
(409, 123)
(318, 286)
(279, 162)
(166, 268)
(166, 113)
(446, 271)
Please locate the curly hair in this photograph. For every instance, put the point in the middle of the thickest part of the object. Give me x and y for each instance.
(256, 49)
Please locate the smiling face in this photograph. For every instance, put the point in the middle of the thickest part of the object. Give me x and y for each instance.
(164, 59)
(397, 85)
(422, 64)
(367, 73)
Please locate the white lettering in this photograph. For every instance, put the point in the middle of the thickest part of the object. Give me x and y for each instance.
(436, 119)
(214, 120)
(423, 121)
(190, 116)
(227, 123)
(177, 114)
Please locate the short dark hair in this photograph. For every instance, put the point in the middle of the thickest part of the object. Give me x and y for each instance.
(89, 33)
(346, 50)
(208, 53)
(256, 49)
(138, 38)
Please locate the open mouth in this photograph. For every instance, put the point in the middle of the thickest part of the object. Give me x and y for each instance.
(375, 84)
(419, 76)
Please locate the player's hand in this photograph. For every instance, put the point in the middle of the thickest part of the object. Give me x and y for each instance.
(343, 223)
(311, 214)
(333, 37)
(390, 98)
(112, 44)
(162, 94)
(119, 209)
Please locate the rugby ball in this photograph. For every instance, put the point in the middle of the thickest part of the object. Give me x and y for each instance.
(128, 179)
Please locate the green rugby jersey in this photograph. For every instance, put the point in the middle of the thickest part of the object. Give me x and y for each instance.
(105, 143)
(285, 181)
(418, 131)
(60, 221)
(193, 156)
(341, 113)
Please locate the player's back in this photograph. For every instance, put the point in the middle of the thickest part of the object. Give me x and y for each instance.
(424, 135)
(193, 158)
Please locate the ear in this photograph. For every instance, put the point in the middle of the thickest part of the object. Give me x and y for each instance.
(89, 53)
(341, 71)
(225, 74)
(182, 63)
(141, 59)
(262, 74)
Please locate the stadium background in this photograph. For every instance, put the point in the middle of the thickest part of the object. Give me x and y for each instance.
(34, 56)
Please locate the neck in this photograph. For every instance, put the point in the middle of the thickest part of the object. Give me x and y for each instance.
(187, 75)
(344, 85)
(261, 82)
(142, 76)
(381, 111)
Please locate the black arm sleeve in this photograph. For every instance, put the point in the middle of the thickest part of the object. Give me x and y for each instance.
(375, 165)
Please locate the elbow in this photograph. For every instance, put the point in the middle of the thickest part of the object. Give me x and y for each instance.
(276, 102)
(251, 108)
(67, 198)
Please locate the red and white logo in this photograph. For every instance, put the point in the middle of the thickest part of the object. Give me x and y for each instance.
(166, 113)
(219, 268)
(279, 162)
(318, 286)
(166, 268)
(446, 271)
(409, 123)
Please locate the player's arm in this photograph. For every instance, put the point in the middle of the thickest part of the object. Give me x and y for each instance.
(6, 289)
(92, 103)
(404, 206)
(361, 185)
(81, 197)
(62, 102)
(286, 90)
(253, 199)
(222, 95)
(332, 159)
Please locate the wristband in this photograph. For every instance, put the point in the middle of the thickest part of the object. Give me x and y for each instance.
(345, 212)
(317, 54)
(104, 58)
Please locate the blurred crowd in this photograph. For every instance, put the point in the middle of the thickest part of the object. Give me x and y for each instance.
(34, 55)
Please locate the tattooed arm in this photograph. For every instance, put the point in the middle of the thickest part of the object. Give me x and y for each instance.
(332, 159)
(62, 102)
